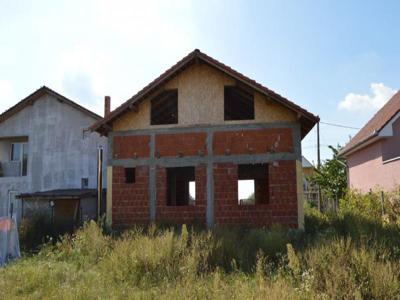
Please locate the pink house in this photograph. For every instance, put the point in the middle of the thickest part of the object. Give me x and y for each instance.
(373, 155)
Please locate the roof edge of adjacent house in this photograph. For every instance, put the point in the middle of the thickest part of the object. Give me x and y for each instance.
(194, 57)
(373, 129)
(29, 100)
(344, 152)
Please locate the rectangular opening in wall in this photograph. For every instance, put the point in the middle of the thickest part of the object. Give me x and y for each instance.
(238, 104)
(164, 108)
(253, 185)
(84, 183)
(19, 156)
(246, 192)
(130, 175)
(181, 186)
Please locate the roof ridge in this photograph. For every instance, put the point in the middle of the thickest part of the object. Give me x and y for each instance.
(20, 105)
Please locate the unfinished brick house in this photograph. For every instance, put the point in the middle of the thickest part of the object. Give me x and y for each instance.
(204, 144)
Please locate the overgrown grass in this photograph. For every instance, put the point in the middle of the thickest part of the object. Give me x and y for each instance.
(350, 255)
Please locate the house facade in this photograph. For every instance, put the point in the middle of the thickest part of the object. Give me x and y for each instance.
(45, 146)
(204, 144)
(373, 155)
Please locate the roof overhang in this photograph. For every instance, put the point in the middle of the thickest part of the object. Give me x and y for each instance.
(364, 143)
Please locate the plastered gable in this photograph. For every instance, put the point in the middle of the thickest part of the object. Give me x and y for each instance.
(201, 101)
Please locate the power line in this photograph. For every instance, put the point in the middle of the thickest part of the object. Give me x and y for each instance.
(338, 125)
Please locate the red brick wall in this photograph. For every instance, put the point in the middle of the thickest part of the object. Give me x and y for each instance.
(188, 144)
(282, 205)
(130, 201)
(253, 141)
(181, 214)
(129, 146)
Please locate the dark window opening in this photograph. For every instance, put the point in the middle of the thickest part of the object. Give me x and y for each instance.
(164, 108)
(238, 104)
(181, 186)
(129, 175)
(253, 185)
(84, 183)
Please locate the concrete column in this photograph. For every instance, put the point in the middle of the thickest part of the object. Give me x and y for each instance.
(152, 181)
(210, 181)
(296, 133)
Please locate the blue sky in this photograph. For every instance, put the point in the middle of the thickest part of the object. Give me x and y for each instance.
(337, 59)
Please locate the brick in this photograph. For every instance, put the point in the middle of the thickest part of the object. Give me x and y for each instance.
(130, 200)
(131, 146)
(186, 144)
(253, 141)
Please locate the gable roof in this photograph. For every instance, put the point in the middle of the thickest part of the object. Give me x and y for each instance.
(35, 96)
(374, 125)
(307, 119)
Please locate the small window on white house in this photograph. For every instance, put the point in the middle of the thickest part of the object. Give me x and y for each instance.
(84, 183)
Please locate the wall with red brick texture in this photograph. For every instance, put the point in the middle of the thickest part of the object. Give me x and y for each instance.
(282, 205)
(195, 214)
(188, 144)
(253, 141)
(131, 146)
(130, 201)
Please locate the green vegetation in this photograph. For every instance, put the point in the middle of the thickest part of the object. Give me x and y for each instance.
(354, 254)
(331, 176)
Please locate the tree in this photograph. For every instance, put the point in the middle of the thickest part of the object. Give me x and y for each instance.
(331, 176)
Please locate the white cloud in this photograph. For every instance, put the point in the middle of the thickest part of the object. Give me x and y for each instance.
(6, 95)
(380, 94)
(80, 76)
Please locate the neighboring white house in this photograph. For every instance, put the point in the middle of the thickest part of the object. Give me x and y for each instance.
(45, 147)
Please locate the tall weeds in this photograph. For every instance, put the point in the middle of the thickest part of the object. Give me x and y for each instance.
(352, 255)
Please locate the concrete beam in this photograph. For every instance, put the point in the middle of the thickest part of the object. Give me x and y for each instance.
(187, 161)
(202, 128)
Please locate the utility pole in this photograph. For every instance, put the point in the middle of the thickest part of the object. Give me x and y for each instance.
(319, 165)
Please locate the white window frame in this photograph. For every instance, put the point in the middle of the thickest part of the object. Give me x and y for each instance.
(21, 156)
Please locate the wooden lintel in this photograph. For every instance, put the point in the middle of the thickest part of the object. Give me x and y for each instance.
(244, 87)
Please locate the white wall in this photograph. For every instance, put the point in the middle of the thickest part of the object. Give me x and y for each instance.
(59, 152)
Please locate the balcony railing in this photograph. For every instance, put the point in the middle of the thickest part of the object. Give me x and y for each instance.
(10, 169)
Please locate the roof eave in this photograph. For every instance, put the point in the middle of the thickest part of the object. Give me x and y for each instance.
(345, 152)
